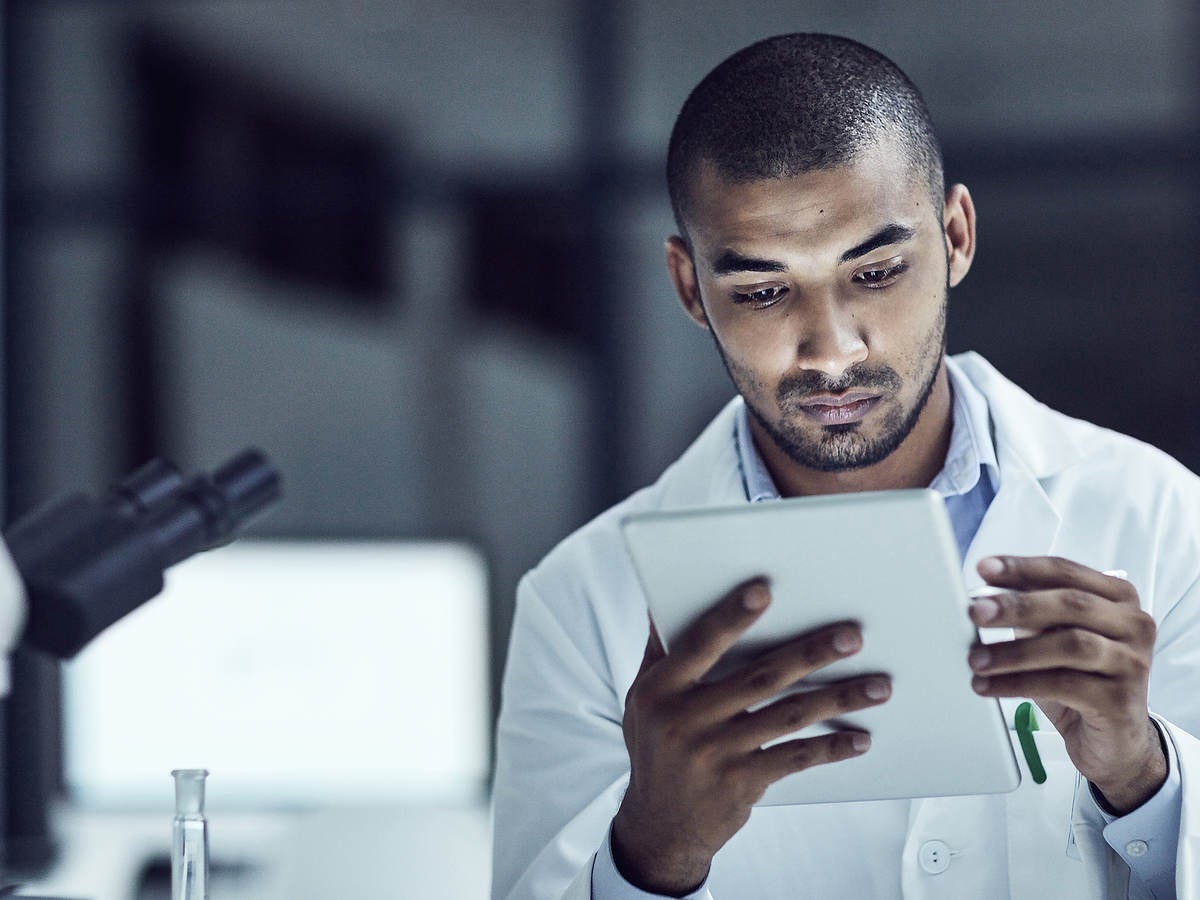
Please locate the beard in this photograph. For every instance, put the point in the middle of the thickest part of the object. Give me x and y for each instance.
(837, 448)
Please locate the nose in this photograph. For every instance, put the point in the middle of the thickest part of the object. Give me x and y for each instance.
(830, 339)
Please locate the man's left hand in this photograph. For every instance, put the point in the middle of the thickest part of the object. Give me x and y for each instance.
(1082, 652)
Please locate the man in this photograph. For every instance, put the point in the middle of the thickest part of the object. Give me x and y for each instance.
(818, 245)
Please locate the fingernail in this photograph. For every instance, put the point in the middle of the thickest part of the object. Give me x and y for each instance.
(979, 658)
(992, 565)
(756, 597)
(985, 609)
(877, 690)
(979, 684)
(861, 741)
(845, 642)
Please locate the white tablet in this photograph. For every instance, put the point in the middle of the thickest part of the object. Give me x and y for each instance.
(887, 560)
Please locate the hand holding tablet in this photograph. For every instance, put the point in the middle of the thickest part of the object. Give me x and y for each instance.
(695, 757)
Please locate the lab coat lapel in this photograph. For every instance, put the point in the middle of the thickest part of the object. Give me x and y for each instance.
(1021, 521)
(708, 473)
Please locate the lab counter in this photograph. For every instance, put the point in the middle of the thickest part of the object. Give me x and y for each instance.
(419, 853)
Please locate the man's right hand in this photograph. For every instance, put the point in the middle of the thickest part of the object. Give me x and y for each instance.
(697, 762)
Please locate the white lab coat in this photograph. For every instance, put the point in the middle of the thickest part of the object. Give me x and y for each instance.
(1066, 488)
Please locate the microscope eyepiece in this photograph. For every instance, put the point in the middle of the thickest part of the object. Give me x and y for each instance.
(152, 484)
(85, 564)
(248, 483)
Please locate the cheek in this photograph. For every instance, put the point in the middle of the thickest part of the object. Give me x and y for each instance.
(903, 325)
(761, 351)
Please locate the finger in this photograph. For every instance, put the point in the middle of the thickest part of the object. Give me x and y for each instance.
(1031, 573)
(1060, 608)
(796, 711)
(1093, 696)
(1067, 648)
(703, 642)
(770, 764)
(783, 667)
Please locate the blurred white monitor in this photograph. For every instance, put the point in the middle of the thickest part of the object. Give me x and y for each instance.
(298, 673)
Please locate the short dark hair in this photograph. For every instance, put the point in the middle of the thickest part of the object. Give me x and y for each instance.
(797, 103)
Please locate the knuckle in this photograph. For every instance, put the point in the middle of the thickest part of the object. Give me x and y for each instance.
(849, 697)
(1076, 601)
(814, 652)
(705, 756)
(1125, 592)
(804, 756)
(1061, 567)
(1145, 628)
(796, 713)
(1075, 643)
(1017, 604)
(1139, 665)
(1010, 651)
(763, 677)
(731, 780)
(744, 787)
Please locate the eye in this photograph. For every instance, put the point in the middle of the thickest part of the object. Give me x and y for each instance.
(880, 276)
(761, 298)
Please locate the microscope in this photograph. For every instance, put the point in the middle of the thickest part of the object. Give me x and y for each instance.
(76, 565)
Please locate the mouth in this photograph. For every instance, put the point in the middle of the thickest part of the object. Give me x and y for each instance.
(839, 409)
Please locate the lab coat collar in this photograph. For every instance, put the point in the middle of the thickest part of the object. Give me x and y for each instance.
(1042, 441)
(707, 474)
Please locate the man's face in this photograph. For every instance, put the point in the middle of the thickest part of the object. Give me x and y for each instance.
(826, 295)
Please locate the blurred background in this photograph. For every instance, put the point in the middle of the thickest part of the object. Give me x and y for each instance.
(413, 250)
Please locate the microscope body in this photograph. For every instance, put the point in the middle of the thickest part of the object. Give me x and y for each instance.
(76, 565)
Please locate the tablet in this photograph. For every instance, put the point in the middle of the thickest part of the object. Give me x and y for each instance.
(887, 560)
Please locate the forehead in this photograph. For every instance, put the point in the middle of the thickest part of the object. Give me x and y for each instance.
(823, 211)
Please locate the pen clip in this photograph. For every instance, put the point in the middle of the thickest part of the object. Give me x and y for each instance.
(1026, 724)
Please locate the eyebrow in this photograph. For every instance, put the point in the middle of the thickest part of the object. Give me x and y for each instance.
(889, 234)
(730, 262)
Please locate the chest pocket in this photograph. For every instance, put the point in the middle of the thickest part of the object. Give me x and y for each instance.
(1043, 860)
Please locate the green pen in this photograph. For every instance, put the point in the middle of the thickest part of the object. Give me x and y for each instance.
(1026, 724)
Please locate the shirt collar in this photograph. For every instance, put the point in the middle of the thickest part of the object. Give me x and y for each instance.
(970, 454)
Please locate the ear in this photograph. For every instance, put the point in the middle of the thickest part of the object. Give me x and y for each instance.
(959, 219)
(683, 274)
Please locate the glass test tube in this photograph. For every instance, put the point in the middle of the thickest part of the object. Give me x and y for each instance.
(189, 840)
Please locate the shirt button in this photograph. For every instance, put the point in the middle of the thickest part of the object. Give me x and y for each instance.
(934, 857)
(1137, 848)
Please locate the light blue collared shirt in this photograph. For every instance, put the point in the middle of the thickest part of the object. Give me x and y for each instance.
(1145, 838)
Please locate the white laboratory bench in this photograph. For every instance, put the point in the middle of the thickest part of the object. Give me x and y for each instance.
(438, 853)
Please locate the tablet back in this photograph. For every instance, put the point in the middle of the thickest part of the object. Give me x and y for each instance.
(887, 560)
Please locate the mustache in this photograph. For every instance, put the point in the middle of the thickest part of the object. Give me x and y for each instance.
(794, 389)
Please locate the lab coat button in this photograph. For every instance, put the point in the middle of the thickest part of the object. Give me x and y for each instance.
(1137, 848)
(934, 857)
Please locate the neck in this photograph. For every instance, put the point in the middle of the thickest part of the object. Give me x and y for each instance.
(914, 464)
